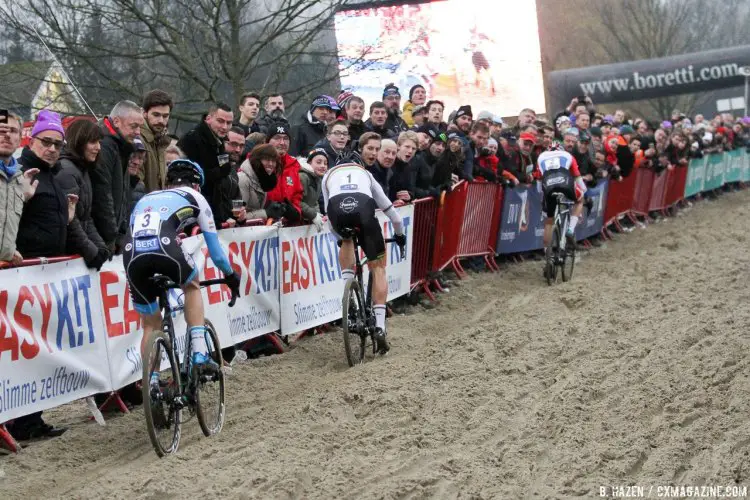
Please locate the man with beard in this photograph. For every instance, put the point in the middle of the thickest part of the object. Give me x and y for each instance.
(274, 112)
(377, 121)
(157, 106)
(205, 145)
(525, 117)
(392, 100)
(230, 189)
(462, 120)
(313, 127)
(480, 135)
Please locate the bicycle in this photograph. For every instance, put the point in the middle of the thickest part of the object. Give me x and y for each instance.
(180, 385)
(556, 254)
(358, 317)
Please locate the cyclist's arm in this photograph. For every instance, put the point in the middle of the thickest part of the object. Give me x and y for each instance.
(325, 193)
(208, 228)
(576, 173)
(382, 201)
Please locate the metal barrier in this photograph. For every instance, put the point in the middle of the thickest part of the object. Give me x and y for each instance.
(658, 192)
(423, 233)
(676, 186)
(619, 200)
(642, 194)
(483, 204)
(447, 229)
(38, 261)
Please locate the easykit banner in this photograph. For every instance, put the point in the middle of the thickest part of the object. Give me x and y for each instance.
(696, 176)
(591, 223)
(253, 253)
(714, 172)
(52, 346)
(522, 222)
(311, 284)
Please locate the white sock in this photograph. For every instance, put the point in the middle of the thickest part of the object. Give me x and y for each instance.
(573, 222)
(198, 339)
(379, 316)
(347, 273)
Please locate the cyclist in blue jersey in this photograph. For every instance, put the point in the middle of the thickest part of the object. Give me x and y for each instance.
(154, 247)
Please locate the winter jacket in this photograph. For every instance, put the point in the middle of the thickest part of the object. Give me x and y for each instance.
(355, 132)
(306, 135)
(289, 187)
(154, 170)
(203, 147)
(383, 131)
(406, 113)
(110, 185)
(264, 123)
(251, 192)
(137, 191)
(74, 178)
(402, 179)
(586, 167)
(11, 209)
(395, 124)
(311, 189)
(248, 129)
(382, 176)
(43, 230)
(423, 172)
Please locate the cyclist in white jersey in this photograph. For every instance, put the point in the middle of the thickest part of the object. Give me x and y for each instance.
(350, 197)
(559, 173)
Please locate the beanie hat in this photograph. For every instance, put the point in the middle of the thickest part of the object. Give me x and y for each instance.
(344, 98)
(626, 129)
(139, 146)
(560, 120)
(278, 128)
(391, 90)
(321, 102)
(316, 152)
(485, 115)
(595, 131)
(47, 120)
(528, 136)
(415, 87)
(666, 124)
(584, 136)
(463, 111)
(428, 129)
(491, 142)
(608, 119)
(332, 103)
(418, 109)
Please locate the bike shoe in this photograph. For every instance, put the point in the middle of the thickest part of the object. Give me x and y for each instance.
(383, 346)
(203, 363)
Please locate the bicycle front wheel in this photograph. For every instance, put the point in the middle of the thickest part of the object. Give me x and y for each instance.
(353, 322)
(209, 389)
(161, 390)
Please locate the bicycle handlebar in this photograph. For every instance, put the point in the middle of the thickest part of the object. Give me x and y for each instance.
(393, 240)
(202, 284)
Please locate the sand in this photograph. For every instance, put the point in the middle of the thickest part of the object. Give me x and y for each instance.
(636, 372)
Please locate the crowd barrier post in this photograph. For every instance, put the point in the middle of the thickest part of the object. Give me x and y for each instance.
(7, 441)
(658, 191)
(675, 186)
(448, 227)
(474, 235)
(642, 194)
(425, 218)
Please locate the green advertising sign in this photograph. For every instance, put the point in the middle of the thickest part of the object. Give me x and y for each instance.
(696, 174)
(714, 177)
(733, 165)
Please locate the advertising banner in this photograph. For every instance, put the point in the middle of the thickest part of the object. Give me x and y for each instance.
(522, 222)
(733, 165)
(696, 177)
(714, 172)
(52, 346)
(591, 223)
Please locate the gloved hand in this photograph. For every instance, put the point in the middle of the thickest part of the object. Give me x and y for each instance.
(101, 257)
(275, 210)
(290, 213)
(318, 222)
(233, 282)
(400, 240)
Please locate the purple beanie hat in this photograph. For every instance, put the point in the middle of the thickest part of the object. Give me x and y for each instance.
(47, 120)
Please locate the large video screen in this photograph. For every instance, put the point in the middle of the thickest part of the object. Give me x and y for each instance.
(480, 52)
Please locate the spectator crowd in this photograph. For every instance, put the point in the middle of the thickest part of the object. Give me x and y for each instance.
(71, 190)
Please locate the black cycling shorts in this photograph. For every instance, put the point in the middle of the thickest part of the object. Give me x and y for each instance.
(145, 257)
(356, 211)
(559, 180)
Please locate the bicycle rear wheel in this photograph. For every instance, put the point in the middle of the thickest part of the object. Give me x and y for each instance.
(209, 389)
(353, 322)
(163, 415)
(569, 262)
(551, 254)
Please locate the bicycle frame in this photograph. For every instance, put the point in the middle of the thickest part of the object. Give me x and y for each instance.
(562, 218)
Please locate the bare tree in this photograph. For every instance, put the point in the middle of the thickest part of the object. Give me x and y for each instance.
(201, 50)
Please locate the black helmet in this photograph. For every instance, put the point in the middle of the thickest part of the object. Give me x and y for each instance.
(350, 157)
(184, 170)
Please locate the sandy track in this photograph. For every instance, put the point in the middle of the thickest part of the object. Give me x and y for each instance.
(636, 372)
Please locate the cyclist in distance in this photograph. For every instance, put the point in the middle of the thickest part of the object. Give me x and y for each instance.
(559, 173)
(350, 197)
(155, 247)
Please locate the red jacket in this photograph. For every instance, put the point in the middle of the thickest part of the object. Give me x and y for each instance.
(288, 187)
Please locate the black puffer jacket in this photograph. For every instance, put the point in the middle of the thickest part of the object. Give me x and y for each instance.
(395, 123)
(203, 147)
(382, 176)
(423, 173)
(43, 230)
(402, 179)
(110, 186)
(74, 178)
(306, 135)
(333, 155)
(355, 131)
(383, 131)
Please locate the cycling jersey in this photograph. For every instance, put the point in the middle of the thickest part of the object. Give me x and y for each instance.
(154, 246)
(350, 197)
(559, 173)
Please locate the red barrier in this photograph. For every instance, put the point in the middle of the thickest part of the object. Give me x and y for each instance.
(7, 441)
(676, 186)
(425, 218)
(658, 191)
(448, 227)
(642, 195)
(619, 198)
(476, 228)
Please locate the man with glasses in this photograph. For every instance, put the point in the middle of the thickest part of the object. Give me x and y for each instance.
(230, 185)
(16, 186)
(109, 179)
(205, 145)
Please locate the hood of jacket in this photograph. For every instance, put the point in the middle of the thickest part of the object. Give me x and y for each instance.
(315, 123)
